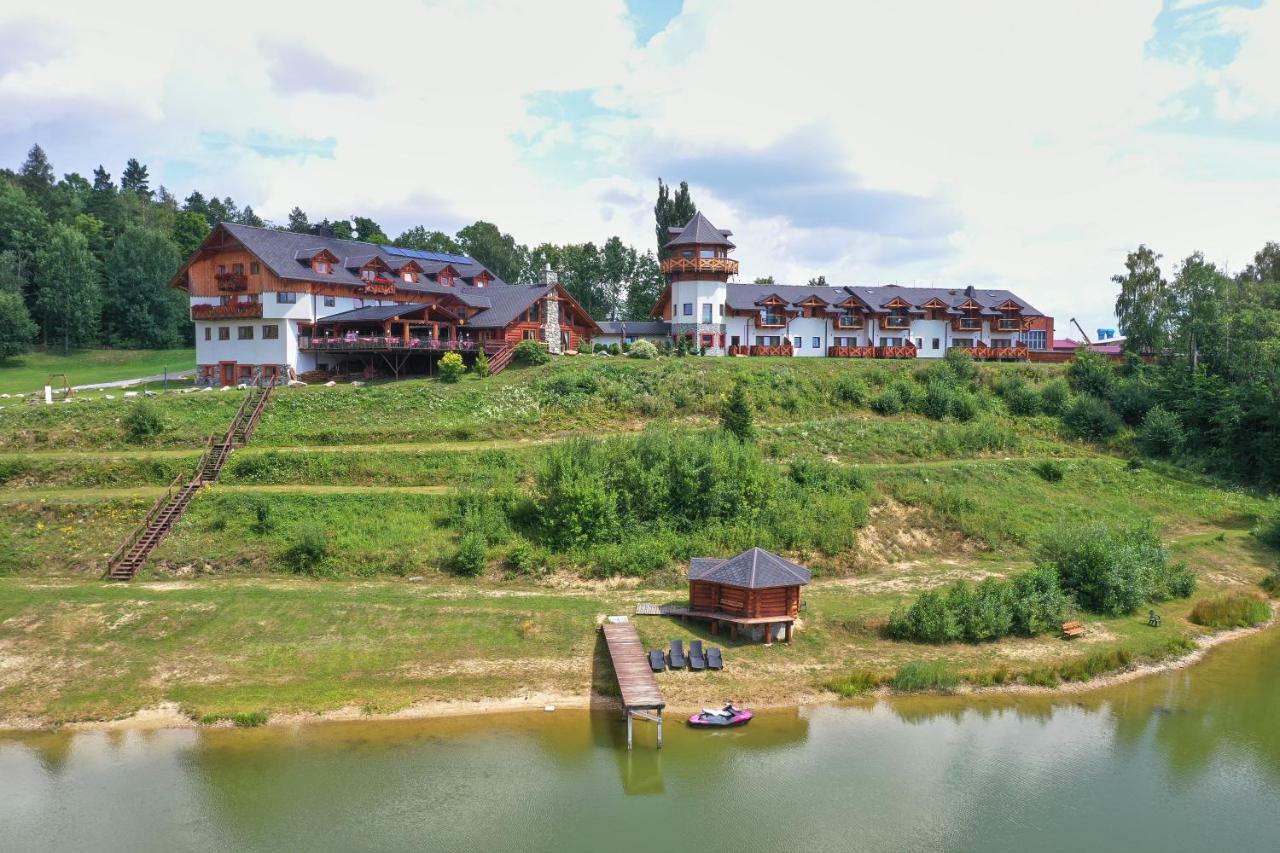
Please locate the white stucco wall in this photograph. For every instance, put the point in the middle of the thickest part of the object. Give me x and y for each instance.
(802, 331)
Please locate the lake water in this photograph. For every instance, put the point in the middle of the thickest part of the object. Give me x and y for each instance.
(1188, 760)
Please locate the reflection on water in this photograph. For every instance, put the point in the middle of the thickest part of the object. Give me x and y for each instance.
(1189, 760)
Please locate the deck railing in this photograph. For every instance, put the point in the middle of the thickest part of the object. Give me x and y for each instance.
(851, 352)
(230, 311)
(907, 351)
(982, 352)
(348, 343)
(713, 265)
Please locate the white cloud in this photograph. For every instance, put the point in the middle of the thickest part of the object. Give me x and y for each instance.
(1029, 124)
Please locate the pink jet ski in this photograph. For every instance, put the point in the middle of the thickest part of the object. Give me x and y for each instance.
(725, 717)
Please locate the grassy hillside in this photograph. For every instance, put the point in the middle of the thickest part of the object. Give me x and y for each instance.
(335, 540)
(27, 373)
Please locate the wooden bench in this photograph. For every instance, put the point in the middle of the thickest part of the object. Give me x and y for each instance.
(1071, 630)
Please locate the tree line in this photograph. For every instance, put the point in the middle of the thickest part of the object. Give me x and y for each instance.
(87, 261)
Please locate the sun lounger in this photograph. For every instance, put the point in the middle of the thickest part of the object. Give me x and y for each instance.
(714, 660)
(677, 659)
(657, 662)
(696, 660)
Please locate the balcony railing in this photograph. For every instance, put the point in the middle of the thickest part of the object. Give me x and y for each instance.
(851, 352)
(381, 286)
(968, 324)
(849, 323)
(1009, 324)
(230, 311)
(770, 321)
(355, 343)
(982, 352)
(726, 266)
(762, 349)
(895, 322)
(231, 281)
(906, 351)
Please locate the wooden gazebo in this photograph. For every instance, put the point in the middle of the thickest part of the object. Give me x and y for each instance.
(754, 588)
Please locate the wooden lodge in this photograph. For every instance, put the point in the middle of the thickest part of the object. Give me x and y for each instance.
(755, 589)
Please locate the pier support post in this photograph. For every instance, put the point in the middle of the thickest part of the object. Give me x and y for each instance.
(628, 728)
(659, 728)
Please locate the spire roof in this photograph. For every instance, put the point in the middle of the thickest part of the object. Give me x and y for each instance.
(699, 231)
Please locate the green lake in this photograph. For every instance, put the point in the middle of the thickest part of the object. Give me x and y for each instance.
(1187, 760)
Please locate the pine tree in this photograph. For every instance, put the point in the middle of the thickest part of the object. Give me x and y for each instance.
(102, 180)
(248, 217)
(103, 201)
(298, 221)
(671, 211)
(36, 177)
(135, 179)
(735, 414)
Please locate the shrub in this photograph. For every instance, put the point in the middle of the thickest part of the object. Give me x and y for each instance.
(1023, 400)
(1055, 397)
(888, 402)
(310, 546)
(964, 406)
(143, 421)
(851, 390)
(522, 558)
(853, 683)
(451, 367)
(1271, 583)
(1113, 571)
(1039, 604)
(1091, 418)
(1049, 470)
(1161, 433)
(961, 364)
(1232, 610)
(1268, 530)
(939, 397)
(482, 364)
(262, 521)
(643, 350)
(925, 675)
(1091, 373)
(472, 554)
(1028, 604)
(735, 413)
(531, 353)
(1132, 399)
(615, 349)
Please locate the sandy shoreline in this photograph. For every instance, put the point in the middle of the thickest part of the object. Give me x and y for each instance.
(168, 715)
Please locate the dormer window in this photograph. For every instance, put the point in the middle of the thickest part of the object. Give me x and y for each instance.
(408, 276)
(367, 275)
(479, 282)
(321, 267)
(446, 280)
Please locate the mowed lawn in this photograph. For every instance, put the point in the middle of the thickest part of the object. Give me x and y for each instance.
(28, 373)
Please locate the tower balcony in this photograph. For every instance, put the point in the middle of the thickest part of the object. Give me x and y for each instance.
(720, 266)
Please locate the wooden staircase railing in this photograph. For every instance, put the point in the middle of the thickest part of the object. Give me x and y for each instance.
(170, 506)
(499, 353)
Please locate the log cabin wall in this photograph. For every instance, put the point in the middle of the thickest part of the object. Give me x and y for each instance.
(751, 603)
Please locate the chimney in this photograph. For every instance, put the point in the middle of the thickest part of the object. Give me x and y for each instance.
(549, 275)
(969, 291)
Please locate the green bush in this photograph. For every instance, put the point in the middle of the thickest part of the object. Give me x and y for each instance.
(1113, 571)
(1132, 398)
(1092, 373)
(482, 364)
(961, 364)
(309, 548)
(888, 402)
(643, 350)
(1039, 604)
(1161, 433)
(523, 558)
(143, 421)
(1029, 604)
(1231, 610)
(1055, 397)
(1023, 400)
(735, 413)
(851, 390)
(451, 367)
(1091, 418)
(1271, 583)
(472, 554)
(965, 406)
(939, 397)
(531, 353)
(1268, 530)
(925, 675)
(1049, 470)
(853, 683)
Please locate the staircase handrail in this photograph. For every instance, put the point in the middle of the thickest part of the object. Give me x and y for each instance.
(146, 522)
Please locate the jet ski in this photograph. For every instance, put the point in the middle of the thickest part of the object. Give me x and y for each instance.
(712, 718)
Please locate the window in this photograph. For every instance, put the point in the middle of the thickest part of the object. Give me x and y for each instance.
(687, 253)
(768, 340)
(244, 333)
(479, 282)
(254, 268)
(271, 332)
(708, 340)
(706, 253)
(283, 298)
(845, 342)
(222, 268)
(706, 312)
(919, 343)
(330, 301)
(408, 276)
(688, 309)
(937, 344)
(321, 267)
(897, 319)
(532, 313)
(797, 342)
(1035, 339)
(962, 342)
(770, 318)
(891, 342)
(224, 333)
(848, 320)
(208, 333)
(366, 275)
(530, 335)
(817, 342)
(1001, 342)
(238, 269)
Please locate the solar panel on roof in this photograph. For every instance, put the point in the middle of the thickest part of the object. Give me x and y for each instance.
(423, 255)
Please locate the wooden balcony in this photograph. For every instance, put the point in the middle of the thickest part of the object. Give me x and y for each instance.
(378, 286)
(719, 266)
(855, 323)
(907, 351)
(851, 352)
(982, 352)
(770, 321)
(384, 343)
(1009, 324)
(895, 323)
(231, 282)
(230, 311)
(967, 324)
(782, 349)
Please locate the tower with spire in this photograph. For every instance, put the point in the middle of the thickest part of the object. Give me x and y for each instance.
(698, 268)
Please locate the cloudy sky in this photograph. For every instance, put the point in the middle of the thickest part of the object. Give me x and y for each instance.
(1019, 144)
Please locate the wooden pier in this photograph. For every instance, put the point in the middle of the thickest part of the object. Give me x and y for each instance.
(640, 694)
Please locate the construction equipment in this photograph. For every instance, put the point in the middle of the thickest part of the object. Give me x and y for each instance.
(1087, 342)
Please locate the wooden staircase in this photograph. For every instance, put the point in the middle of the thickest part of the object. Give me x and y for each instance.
(166, 511)
(499, 353)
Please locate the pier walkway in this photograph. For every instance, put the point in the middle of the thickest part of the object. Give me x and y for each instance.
(640, 694)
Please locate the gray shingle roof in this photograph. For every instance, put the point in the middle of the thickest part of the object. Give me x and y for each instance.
(508, 302)
(370, 314)
(743, 297)
(754, 568)
(635, 327)
(699, 231)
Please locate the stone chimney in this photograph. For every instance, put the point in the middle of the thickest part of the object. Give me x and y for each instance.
(549, 275)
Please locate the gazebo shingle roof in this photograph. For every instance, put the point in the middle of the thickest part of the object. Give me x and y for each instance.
(700, 232)
(754, 568)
